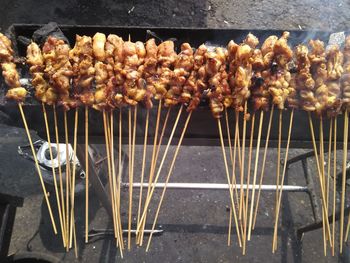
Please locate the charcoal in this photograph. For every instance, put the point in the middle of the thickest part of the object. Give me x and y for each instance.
(50, 29)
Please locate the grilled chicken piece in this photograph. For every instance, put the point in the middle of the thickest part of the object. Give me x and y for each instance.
(9, 71)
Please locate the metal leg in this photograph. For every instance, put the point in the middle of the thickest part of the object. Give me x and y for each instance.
(95, 180)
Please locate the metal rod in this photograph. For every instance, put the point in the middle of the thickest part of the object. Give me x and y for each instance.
(212, 186)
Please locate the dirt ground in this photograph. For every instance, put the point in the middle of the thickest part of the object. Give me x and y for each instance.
(194, 222)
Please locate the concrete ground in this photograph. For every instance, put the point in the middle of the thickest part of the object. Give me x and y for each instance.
(195, 223)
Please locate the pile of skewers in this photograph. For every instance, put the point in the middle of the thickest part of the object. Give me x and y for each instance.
(108, 74)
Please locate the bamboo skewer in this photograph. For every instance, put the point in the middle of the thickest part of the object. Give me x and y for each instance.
(161, 136)
(114, 182)
(67, 177)
(148, 199)
(143, 166)
(72, 219)
(168, 178)
(245, 217)
(319, 174)
(130, 181)
(228, 180)
(242, 161)
(334, 180)
(278, 158)
(38, 168)
(53, 173)
(86, 174)
(60, 174)
(233, 160)
(345, 155)
(255, 172)
(109, 169)
(119, 178)
(232, 153)
(139, 238)
(263, 165)
(280, 190)
(323, 185)
(131, 178)
(329, 165)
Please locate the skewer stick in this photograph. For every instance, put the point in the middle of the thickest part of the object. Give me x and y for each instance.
(38, 168)
(242, 161)
(329, 166)
(143, 166)
(114, 182)
(72, 219)
(119, 179)
(139, 238)
(247, 182)
(334, 180)
(148, 199)
(263, 165)
(319, 174)
(53, 172)
(255, 172)
(67, 176)
(162, 135)
(232, 153)
(130, 184)
(109, 169)
(228, 180)
(280, 190)
(278, 158)
(60, 174)
(168, 178)
(131, 179)
(323, 185)
(86, 174)
(345, 155)
(233, 160)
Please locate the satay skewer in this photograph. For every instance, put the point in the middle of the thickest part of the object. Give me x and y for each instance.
(119, 179)
(232, 154)
(168, 178)
(278, 164)
(323, 184)
(67, 177)
(86, 174)
(152, 169)
(319, 174)
(246, 204)
(162, 134)
(255, 173)
(228, 180)
(329, 163)
(263, 165)
(334, 181)
(148, 199)
(115, 190)
(109, 169)
(236, 148)
(131, 179)
(241, 204)
(38, 168)
(280, 190)
(343, 187)
(54, 172)
(60, 173)
(72, 217)
(143, 166)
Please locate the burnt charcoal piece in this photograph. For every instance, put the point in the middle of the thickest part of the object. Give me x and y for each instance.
(50, 29)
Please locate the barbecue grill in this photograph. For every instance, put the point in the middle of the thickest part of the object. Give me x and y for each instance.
(202, 130)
